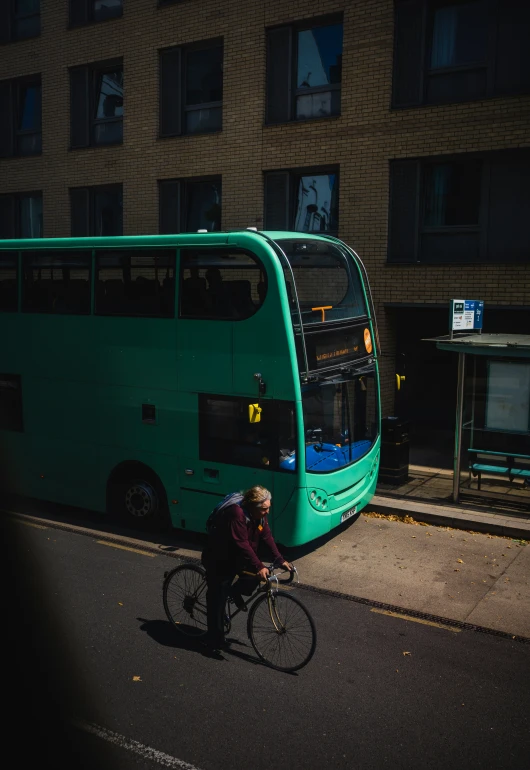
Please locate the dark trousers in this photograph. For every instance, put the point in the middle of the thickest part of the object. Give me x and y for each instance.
(218, 588)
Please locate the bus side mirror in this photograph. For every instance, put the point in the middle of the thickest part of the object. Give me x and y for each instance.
(254, 413)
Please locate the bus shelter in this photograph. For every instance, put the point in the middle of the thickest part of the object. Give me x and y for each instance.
(492, 429)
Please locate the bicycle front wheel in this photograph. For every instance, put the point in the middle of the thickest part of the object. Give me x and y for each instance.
(184, 595)
(282, 631)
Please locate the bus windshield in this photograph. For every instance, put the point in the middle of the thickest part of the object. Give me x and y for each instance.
(326, 280)
(340, 421)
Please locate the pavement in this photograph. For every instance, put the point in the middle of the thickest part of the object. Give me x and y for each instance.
(499, 508)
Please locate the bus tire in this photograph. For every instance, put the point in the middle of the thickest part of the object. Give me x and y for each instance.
(137, 498)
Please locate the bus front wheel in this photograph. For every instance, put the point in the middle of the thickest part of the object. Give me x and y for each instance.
(139, 501)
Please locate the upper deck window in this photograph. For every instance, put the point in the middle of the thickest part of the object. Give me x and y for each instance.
(326, 281)
(221, 283)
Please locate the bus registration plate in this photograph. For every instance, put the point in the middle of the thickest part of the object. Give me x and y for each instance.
(347, 514)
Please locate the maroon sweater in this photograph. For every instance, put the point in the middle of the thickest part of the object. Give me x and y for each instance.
(234, 543)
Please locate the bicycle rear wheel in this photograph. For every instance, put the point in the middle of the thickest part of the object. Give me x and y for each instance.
(282, 631)
(184, 596)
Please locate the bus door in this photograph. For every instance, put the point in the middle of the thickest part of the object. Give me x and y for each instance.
(241, 443)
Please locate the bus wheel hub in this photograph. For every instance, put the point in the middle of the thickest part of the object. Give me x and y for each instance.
(140, 500)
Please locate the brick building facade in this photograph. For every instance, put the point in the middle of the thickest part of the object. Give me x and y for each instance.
(426, 135)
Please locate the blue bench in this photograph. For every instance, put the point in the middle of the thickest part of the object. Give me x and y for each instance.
(507, 464)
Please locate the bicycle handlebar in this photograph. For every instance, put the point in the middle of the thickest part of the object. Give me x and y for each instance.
(292, 574)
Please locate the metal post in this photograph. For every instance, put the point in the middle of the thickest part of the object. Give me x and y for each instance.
(458, 426)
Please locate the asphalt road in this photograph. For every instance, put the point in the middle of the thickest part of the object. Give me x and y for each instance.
(88, 645)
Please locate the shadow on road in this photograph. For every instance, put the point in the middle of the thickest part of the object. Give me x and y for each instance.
(163, 633)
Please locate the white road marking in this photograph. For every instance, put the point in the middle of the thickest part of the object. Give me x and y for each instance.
(138, 748)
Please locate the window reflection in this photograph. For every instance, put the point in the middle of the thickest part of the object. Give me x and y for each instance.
(316, 203)
(204, 90)
(110, 97)
(104, 9)
(319, 64)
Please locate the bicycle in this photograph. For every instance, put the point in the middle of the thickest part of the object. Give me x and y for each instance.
(280, 628)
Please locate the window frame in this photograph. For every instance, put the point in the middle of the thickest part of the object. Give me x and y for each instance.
(12, 256)
(294, 29)
(43, 253)
(179, 120)
(226, 456)
(293, 176)
(83, 122)
(211, 251)
(9, 18)
(182, 194)
(16, 199)
(134, 251)
(426, 10)
(10, 105)
(97, 75)
(90, 213)
(82, 16)
(495, 163)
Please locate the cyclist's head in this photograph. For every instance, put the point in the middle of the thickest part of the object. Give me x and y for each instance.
(257, 500)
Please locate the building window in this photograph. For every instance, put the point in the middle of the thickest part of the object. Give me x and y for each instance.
(88, 11)
(453, 51)
(303, 200)
(188, 205)
(21, 215)
(96, 211)
(464, 208)
(56, 282)
(20, 117)
(226, 434)
(135, 282)
(304, 70)
(96, 105)
(191, 89)
(19, 20)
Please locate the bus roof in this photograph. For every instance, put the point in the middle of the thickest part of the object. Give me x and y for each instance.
(176, 239)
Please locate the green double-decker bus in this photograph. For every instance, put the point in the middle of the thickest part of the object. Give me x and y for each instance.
(148, 376)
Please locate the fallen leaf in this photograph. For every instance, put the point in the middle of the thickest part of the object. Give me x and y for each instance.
(456, 570)
(460, 561)
(121, 604)
(136, 679)
(407, 653)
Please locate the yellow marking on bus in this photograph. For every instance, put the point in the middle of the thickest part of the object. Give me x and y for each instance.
(31, 524)
(126, 548)
(416, 620)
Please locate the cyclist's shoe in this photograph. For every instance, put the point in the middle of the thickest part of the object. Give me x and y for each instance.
(239, 602)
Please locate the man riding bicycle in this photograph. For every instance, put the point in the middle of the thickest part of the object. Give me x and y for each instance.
(239, 526)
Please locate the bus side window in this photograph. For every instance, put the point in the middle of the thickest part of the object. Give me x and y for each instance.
(135, 282)
(8, 282)
(57, 282)
(236, 284)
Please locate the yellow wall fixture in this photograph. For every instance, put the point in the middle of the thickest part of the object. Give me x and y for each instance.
(399, 379)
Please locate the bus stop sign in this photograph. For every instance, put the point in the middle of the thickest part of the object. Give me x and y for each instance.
(466, 314)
